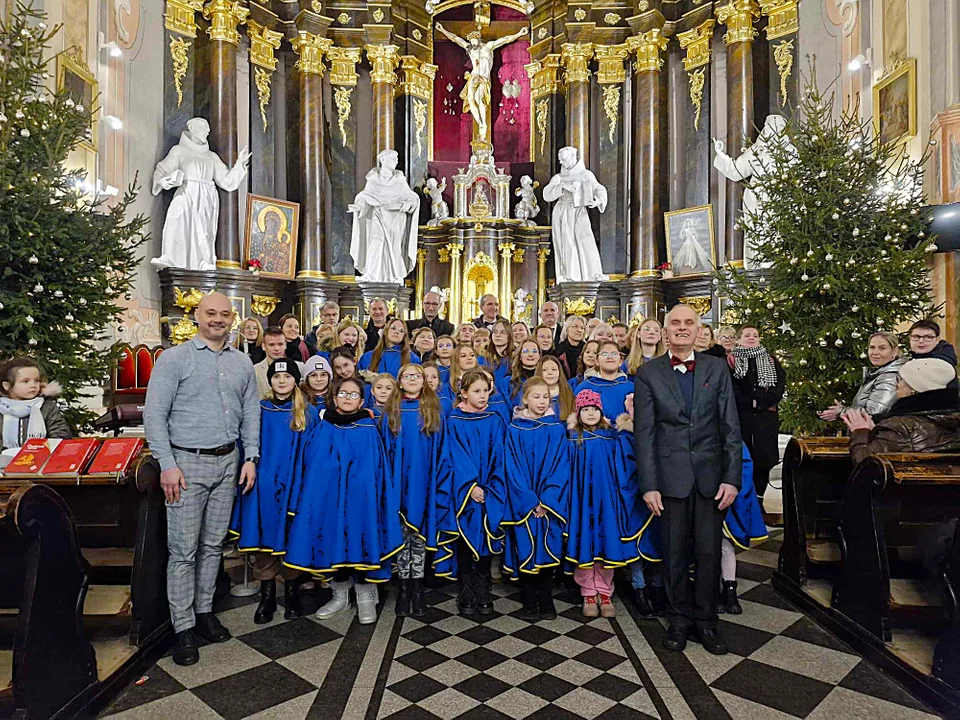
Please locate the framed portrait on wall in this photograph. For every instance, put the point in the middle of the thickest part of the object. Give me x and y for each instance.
(691, 249)
(75, 77)
(895, 104)
(271, 235)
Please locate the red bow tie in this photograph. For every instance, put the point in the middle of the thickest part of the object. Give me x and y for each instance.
(675, 361)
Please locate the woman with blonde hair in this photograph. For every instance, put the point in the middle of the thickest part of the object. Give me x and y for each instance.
(350, 332)
(250, 340)
(571, 343)
(647, 344)
(878, 392)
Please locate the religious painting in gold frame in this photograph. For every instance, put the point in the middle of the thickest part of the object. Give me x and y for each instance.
(895, 104)
(271, 236)
(691, 246)
(80, 83)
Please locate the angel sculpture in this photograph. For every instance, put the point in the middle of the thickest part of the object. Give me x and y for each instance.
(439, 210)
(527, 209)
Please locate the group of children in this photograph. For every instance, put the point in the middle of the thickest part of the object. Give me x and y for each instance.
(379, 462)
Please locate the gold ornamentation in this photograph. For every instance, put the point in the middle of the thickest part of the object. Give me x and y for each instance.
(648, 47)
(311, 50)
(384, 60)
(783, 55)
(543, 113)
(542, 33)
(420, 120)
(519, 254)
(377, 15)
(643, 5)
(610, 63)
(343, 18)
(545, 78)
(697, 79)
(316, 6)
(506, 250)
(701, 304)
(263, 305)
(228, 264)
(543, 254)
(417, 35)
(611, 108)
(576, 61)
(183, 331)
(263, 41)
(580, 14)
(738, 16)
(697, 44)
(611, 18)
(444, 254)
(224, 17)
(181, 61)
(480, 205)
(180, 16)
(187, 301)
(262, 78)
(580, 306)
(343, 65)
(341, 96)
(784, 18)
(391, 306)
(416, 78)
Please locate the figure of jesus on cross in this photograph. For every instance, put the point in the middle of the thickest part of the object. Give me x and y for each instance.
(478, 79)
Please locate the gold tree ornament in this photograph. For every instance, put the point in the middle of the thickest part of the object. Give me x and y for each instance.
(181, 62)
(341, 96)
(611, 108)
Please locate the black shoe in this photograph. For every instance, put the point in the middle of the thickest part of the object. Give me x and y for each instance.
(267, 606)
(528, 596)
(730, 602)
(185, 650)
(658, 598)
(676, 638)
(641, 601)
(210, 629)
(404, 601)
(467, 600)
(711, 640)
(418, 601)
(484, 598)
(548, 610)
(292, 607)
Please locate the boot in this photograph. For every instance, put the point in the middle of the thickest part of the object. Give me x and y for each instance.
(548, 610)
(730, 601)
(268, 602)
(528, 595)
(418, 601)
(659, 600)
(641, 600)
(484, 598)
(467, 600)
(185, 650)
(292, 607)
(367, 598)
(340, 600)
(404, 600)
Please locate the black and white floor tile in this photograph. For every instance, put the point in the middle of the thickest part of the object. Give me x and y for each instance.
(781, 665)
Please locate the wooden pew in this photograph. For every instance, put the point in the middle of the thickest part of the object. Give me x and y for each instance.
(946, 656)
(815, 472)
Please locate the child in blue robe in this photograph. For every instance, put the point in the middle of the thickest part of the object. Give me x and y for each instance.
(464, 359)
(392, 351)
(537, 470)
(345, 507)
(500, 350)
(561, 396)
(443, 357)
(497, 402)
(259, 520)
(316, 380)
(596, 543)
(523, 367)
(471, 494)
(381, 387)
(608, 381)
(431, 375)
(412, 429)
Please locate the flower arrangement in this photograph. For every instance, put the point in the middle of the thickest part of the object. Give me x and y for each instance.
(665, 269)
(254, 265)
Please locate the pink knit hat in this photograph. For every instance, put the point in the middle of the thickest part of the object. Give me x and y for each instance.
(586, 398)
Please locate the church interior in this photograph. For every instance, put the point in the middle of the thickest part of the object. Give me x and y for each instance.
(586, 153)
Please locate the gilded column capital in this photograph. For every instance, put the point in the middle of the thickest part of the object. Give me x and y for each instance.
(575, 58)
(225, 16)
(384, 59)
(648, 47)
(542, 254)
(506, 250)
(545, 77)
(416, 78)
(697, 44)
(784, 17)
(343, 65)
(455, 250)
(311, 50)
(263, 43)
(610, 59)
(738, 16)
(180, 16)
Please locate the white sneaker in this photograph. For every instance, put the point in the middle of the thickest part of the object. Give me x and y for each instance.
(367, 598)
(339, 602)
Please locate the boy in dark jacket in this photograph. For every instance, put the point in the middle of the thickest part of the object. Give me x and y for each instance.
(27, 406)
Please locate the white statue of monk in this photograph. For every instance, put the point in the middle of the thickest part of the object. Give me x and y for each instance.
(384, 240)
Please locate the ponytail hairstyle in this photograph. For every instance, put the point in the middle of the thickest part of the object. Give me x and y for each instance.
(455, 370)
(382, 345)
(430, 417)
(298, 408)
(567, 401)
(518, 373)
(469, 378)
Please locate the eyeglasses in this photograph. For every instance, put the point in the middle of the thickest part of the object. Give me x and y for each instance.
(410, 376)
(344, 395)
(923, 338)
(609, 354)
(529, 351)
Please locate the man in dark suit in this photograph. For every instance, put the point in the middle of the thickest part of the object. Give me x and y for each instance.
(379, 316)
(431, 317)
(689, 458)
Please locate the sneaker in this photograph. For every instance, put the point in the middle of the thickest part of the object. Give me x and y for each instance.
(590, 607)
(606, 607)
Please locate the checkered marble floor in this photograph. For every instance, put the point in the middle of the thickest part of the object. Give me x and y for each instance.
(781, 665)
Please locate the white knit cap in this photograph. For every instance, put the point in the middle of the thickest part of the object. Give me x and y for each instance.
(317, 363)
(927, 374)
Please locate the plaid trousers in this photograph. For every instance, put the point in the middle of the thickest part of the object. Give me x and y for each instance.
(196, 528)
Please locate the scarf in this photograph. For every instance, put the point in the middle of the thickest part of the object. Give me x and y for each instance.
(335, 417)
(13, 412)
(766, 371)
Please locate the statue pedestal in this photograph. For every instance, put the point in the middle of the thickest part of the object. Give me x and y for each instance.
(587, 299)
(641, 297)
(391, 293)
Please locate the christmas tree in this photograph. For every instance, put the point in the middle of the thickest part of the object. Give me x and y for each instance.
(839, 228)
(66, 257)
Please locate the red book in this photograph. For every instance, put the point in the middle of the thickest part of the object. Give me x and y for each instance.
(31, 458)
(70, 458)
(115, 456)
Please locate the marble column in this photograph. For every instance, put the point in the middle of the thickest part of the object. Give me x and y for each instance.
(542, 254)
(612, 164)
(646, 215)
(694, 123)
(414, 111)
(506, 276)
(311, 50)
(225, 16)
(549, 121)
(738, 16)
(783, 28)
(383, 60)
(180, 31)
(575, 58)
(343, 156)
(456, 286)
(264, 43)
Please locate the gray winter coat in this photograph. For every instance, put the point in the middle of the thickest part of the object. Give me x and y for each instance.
(878, 392)
(52, 417)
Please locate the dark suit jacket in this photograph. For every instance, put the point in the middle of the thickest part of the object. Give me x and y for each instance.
(439, 325)
(675, 452)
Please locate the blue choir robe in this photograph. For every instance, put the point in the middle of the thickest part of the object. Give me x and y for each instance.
(613, 393)
(472, 455)
(390, 362)
(594, 528)
(640, 525)
(537, 470)
(345, 505)
(744, 524)
(498, 403)
(444, 372)
(505, 387)
(501, 369)
(414, 457)
(259, 520)
(446, 401)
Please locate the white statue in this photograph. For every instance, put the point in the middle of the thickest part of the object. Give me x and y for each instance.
(521, 305)
(478, 79)
(190, 228)
(575, 189)
(527, 209)
(384, 241)
(439, 210)
(756, 161)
